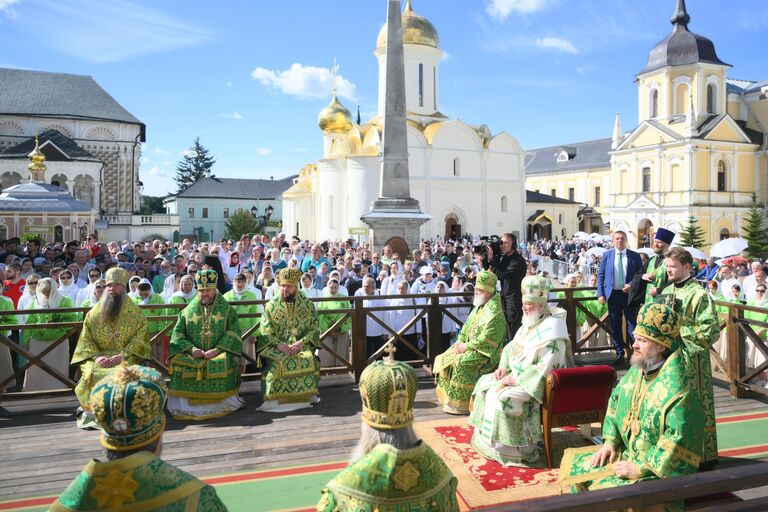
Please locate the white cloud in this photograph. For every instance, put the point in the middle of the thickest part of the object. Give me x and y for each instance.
(188, 152)
(264, 151)
(557, 44)
(101, 32)
(234, 115)
(446, 56)
(583, 70)
(301, 150)
(305, 81)
(6, 7)
(161, 151)
(501, 9)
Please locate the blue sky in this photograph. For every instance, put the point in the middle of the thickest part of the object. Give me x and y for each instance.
(249, 77)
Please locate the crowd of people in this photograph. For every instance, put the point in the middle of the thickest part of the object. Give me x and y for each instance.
(493, 368)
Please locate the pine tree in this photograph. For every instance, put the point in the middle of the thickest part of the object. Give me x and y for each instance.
(238, 224)
(692, 235)
(196, 164)
(754, 230)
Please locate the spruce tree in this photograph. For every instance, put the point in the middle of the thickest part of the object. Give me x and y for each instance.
(238, 224)
(196, 164)
(692, 235)
(754, 230)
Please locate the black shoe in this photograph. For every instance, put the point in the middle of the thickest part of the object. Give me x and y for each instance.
(619, 361)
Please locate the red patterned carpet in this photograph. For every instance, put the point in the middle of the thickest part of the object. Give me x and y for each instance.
(483, 482)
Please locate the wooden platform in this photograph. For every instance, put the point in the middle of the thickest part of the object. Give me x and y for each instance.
(43, 450)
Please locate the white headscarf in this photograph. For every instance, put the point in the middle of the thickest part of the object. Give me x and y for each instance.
(187, 296)
(151, 291)
(54, 298)
(71, 290)
(136, 293)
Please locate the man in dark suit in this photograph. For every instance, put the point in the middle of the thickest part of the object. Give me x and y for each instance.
(617, 268)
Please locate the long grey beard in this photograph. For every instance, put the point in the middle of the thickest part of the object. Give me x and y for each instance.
(110, 310)
(645, 363)
(529, 320)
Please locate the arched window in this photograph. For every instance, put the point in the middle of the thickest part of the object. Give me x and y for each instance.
(646, 179)
(456, 167)
(722, 170)
(559, 218)
(711, 103)
(724, 233)
(682, 99)
(421, 84)
(58, 234)
(654, 103)
(504, 206)
(3, 232)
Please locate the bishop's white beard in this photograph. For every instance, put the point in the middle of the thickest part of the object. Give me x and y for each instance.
(480, 300)
(531, 318)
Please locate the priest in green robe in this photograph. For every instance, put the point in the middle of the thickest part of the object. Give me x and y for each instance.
(392, 470)
(477, 349)
(128, 406)
(290, 334)
(204, 355)
(114, 332)
(655, 272)
(652, 428)
(506, 412)
(699, 331)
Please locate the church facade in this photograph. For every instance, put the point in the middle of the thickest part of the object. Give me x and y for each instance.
(699, 148)
(467, 179)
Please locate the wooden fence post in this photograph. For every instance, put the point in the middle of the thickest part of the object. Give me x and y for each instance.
(434, 328)
(359, 356)
(736, 355)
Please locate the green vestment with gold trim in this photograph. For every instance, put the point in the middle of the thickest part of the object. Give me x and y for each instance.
(127, 335)
(290, 379)
(659, 277)
(700, 330)
(140, 483)
(206, 328)
(484, 334)
(653, 421)
(390, 480)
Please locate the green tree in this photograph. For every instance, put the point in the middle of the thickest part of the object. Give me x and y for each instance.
(238, 224)
(755, 230)
(152, 204)
(692, 235)
(197, 163)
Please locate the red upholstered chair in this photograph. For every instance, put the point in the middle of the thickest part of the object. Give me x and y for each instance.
(575, 396)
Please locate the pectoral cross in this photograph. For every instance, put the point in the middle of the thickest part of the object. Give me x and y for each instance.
(539, 333)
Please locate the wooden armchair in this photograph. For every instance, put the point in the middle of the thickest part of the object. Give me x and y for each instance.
(575, 396)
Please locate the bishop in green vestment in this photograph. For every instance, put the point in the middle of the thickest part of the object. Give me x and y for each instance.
(114, 331)
(477, 350)
(290, 332)
(128, 406)
(699, 331)
(652, 428)
(204, 355)
(655, 272)
(391, 469)
(506, 403)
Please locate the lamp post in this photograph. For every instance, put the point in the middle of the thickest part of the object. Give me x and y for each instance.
(261, 220)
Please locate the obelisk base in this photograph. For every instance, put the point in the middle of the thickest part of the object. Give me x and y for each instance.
(399, 228)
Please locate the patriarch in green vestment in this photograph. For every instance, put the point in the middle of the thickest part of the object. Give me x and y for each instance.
(204, 355)
(700, 329)
(652, 428)
(290, 332)
(477, 350)
(114, 331)
(506, 403)
(128, 406)
(391, 470)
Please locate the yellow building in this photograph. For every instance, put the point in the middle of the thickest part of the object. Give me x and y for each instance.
(699, 148)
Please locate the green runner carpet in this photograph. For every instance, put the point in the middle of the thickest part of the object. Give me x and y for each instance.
(740, 435)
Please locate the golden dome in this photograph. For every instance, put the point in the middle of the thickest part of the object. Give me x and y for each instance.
(416, 30)
(37, 167)
(335, 117)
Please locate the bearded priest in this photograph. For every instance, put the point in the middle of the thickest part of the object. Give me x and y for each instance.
(290, 332)
(506, 403)
(477, 349)
(204, 355)
(653, 425)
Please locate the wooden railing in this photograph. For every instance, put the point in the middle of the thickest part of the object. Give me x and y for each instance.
(428, 309)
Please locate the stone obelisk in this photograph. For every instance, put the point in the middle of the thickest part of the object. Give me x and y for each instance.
(395, 217)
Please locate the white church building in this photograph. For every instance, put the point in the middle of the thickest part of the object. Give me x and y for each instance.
(467, 179)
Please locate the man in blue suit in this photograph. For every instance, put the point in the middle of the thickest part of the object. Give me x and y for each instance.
(617, 268)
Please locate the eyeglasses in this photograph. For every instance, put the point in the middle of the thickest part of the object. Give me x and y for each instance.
(65, 278)
(32, 283)
(760, 290)
(100, 286)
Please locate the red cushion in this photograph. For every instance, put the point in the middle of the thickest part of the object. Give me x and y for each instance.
(582, 389)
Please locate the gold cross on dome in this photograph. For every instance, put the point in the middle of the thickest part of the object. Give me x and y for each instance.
(390, 350)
